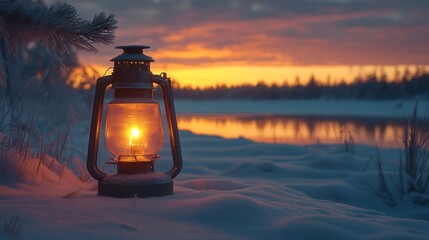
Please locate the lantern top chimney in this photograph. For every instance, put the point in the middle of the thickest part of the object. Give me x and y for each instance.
(133, 53)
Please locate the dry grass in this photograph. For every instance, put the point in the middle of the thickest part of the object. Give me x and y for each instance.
(410, 176)
(415, 165)
(347, 140)
(383, 190)
(26, 136)
(82, 172)
(12, 227)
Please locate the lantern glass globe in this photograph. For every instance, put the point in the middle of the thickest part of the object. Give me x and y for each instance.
(134, 129)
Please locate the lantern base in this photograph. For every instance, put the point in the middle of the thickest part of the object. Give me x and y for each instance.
(136, 185)
(135, 167)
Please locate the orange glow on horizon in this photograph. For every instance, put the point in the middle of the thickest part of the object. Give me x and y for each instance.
(273, 41)
(211, 76)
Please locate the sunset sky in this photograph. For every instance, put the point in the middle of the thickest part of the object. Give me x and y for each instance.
(208, 42)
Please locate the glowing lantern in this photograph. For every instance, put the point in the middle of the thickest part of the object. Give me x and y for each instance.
(133, 128)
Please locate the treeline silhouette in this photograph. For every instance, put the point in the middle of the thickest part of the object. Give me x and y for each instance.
(371, 87)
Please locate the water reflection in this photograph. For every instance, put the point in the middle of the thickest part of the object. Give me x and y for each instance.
(296, 130)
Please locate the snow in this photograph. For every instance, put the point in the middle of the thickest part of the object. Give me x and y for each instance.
(319, 108)
(228, 189)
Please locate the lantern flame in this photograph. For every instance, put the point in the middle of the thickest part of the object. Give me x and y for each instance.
(134, 135)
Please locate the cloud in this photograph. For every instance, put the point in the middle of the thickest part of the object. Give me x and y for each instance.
(264, 32)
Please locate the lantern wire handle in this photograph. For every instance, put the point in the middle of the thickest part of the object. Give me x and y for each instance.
(107, 71)
(163, 81)
(94, 134)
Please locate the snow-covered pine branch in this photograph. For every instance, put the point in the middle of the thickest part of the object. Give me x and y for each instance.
(58, 27)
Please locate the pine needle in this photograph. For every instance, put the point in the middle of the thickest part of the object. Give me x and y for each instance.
(57, 27)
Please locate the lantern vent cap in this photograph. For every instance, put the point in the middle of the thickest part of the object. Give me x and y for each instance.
(133, 53)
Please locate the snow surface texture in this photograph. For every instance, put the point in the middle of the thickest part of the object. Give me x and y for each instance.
(229, 189)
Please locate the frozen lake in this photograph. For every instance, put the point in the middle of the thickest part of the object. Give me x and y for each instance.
(295, 130)
(300, 122)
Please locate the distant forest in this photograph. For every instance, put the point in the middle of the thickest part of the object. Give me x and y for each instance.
(405, 85)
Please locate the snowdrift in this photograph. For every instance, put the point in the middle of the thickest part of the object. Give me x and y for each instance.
(229, 189)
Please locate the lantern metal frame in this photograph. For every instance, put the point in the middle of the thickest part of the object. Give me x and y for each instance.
(132, 77)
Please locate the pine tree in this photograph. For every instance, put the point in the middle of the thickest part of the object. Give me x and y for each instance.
(58, 28)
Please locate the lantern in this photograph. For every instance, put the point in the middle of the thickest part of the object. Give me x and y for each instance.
(133, 128)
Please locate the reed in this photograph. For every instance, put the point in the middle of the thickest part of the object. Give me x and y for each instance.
(410, 175)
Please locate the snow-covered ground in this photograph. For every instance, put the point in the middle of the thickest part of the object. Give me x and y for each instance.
(228, 189)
